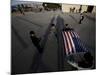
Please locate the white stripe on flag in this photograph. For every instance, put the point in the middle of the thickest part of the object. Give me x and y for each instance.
(72, 34)
(72, 41)
(77, 34)
(65, 44)
(69, 44)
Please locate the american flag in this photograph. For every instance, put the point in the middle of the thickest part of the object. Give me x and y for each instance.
(72, 42)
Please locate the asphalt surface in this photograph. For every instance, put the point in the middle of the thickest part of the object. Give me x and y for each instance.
(25, 54)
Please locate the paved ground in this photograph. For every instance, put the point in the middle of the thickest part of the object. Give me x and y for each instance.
(24, 52)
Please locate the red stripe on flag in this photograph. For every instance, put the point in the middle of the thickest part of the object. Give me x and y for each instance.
(69, 43)
(65, 44)
(72, 42)
(72, 34)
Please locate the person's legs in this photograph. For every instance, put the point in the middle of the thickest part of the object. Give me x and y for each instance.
(36, 41)
(80, 21)
(40, 49)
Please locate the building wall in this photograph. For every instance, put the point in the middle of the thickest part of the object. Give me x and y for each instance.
(94, 9)
(66, 7)
(84, 8)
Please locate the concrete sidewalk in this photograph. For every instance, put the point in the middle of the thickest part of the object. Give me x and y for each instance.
(23, 51)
